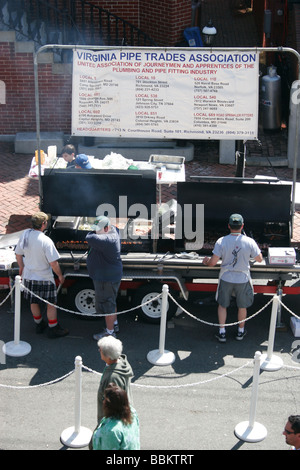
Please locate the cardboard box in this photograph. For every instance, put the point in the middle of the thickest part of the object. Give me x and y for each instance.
(286, 256)
(295, 326)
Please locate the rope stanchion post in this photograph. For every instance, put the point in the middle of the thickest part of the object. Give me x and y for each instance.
(160, 356)
(270, 362)
(16, 347)
(77, 435)
(251, 431)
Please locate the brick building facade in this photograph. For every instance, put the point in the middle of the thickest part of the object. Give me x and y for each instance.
(162, 20)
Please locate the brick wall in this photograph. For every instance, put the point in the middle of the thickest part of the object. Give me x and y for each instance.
(171, 18)
(55, 95)
(18, 113)
(296, 29)
(126, 9)
(16, 71)
(163, 20)
(258, 10)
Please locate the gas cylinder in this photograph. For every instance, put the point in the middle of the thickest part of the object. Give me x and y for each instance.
(270, 100)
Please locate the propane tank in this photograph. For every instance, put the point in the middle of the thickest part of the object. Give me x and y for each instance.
(270, 99)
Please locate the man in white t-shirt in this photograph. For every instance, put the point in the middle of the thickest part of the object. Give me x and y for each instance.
(37, 258)
(235, 250)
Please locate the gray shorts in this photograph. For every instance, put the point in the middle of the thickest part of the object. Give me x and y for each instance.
(243, 293)
(105, 296)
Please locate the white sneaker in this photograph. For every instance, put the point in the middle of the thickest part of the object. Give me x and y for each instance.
(98, 336)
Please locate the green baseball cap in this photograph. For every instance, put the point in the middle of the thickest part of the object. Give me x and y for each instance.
(236, 219)
(100, 222)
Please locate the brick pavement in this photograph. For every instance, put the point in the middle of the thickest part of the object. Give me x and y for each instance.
(19, 193)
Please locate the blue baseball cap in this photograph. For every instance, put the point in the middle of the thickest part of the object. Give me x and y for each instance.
(82, 160)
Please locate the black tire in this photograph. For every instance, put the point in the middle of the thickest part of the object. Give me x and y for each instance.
(151, 312)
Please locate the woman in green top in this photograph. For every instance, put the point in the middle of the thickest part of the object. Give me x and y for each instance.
(119, 429)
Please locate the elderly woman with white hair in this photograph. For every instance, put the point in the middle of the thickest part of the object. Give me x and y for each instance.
(117, 370)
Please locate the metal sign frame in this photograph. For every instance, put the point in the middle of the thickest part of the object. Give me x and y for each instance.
(163, 49)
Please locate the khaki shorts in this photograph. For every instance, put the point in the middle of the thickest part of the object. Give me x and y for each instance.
(243, 293)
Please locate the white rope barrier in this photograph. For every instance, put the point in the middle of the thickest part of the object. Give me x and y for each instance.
(8, 295)
(23, 288)
(90, 314)
(217, 324)
(78, 436)
(290, 311)
(202, 382)
(19, 348)
(25, 387)
(147, 302)
(158, 356)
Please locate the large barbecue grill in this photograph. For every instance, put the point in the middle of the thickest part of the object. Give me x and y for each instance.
(265, 206)
(73, 197)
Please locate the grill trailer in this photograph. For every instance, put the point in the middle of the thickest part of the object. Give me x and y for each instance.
(155, 247)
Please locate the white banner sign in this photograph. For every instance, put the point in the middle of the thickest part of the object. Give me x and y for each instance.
(175, 94)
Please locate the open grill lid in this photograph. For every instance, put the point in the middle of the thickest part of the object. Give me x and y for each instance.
(80, 192)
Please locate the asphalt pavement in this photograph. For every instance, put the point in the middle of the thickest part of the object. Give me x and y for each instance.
(193, 404)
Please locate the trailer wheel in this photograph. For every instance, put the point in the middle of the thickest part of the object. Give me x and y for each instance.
(81, 297)
(151, 312)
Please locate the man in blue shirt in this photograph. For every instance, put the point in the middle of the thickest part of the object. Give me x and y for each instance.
(105, 268)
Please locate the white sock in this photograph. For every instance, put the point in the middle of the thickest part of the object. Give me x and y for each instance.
(38, 320)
